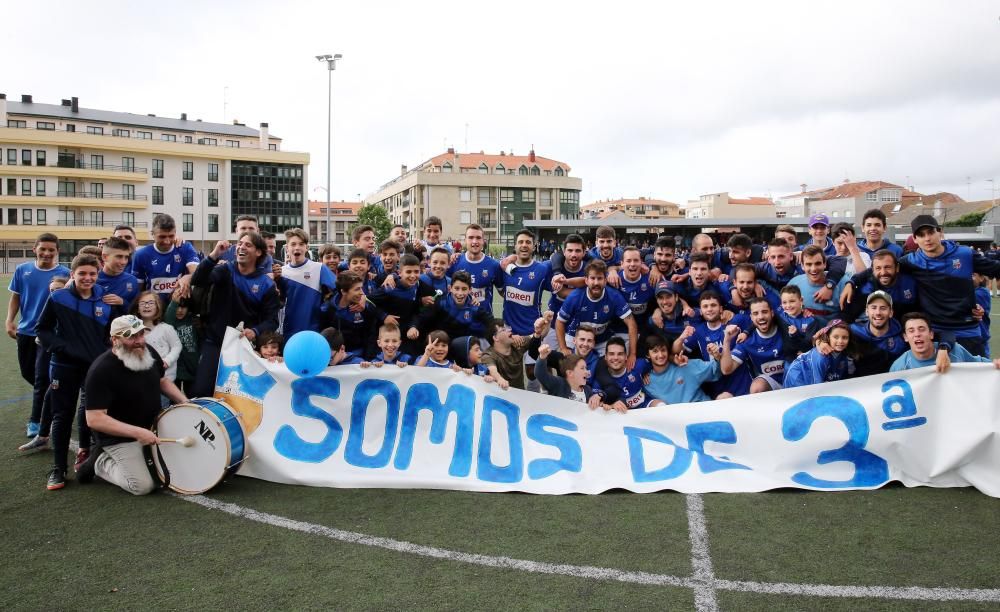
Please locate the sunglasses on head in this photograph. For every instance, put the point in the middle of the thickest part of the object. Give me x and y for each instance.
(128, 333)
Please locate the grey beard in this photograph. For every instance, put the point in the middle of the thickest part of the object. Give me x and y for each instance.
(133, 362)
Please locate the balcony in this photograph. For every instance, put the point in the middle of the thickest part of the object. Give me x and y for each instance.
(85, 223)
(71, 162)
(100, 196)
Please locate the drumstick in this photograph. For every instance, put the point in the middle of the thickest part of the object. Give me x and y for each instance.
(185, 441)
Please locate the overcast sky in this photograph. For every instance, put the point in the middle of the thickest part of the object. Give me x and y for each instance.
(669, 102)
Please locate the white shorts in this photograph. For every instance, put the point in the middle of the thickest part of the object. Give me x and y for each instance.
(775, 385)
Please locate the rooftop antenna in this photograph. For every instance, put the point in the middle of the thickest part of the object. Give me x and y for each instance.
(466, 135)
(225, 102)
(968, 187)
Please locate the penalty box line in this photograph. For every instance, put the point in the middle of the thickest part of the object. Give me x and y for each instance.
(597, 573)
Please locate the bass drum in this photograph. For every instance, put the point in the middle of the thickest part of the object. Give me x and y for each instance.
(218, 450)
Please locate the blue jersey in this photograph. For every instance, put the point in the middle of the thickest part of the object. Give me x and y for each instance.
(124, 286)
(31, 284)
(691, 294)
(447, 363)
(630, 384)
(829, 250)
(639, 296)
(523, 286)
(765, 355)
(803, 322)
(823, 311)
(886, 245)
(556, 302)
(682, 384)
(614, 260)
(984, 300)
(302, 287)
(814, 367)
(579, 307)
(374, 265)
(159, 271)
(469, 317)
(438, 285)
(486, 275)
(738, 382)
(399, 358)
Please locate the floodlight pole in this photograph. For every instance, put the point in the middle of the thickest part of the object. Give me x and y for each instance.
(331, 65)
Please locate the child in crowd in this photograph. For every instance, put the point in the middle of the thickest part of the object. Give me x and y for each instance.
(468, 354)
(186, 324)
(161, 336)
(330, 255)
(572, 380)
(436, 353)
(389, 341)
(831, 359)
(435, 278)
(41, 408)
(269, 346)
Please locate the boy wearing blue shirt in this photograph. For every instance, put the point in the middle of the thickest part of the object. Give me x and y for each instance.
(597, 305)
(483, 269)
(675, 379)
(436, 353)
(357, 319)
(925, 352)
(800, 325)
(163, 267)
(873, 225)
(436, 279)
(120, 287)
(432, 236)
(455, 313)
(302, 283)
(389, 341)
(819, 230)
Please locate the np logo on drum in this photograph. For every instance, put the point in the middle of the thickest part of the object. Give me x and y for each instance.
(205, 433)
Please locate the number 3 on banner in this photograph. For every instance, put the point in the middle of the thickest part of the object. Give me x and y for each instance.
(870, 470)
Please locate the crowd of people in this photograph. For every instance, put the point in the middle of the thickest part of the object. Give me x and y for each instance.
(125, 331)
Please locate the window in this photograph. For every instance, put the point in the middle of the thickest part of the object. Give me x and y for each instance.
(169, 137)
(66, 189)
(871, 196)
(69, 217)
(188, 222)
(523, 171)
(97, 217)
(213, 173)
(97, 162)
(11, 186)
(157, 168)
(121, 132)
(499, 169)
(26, 187)
(569, 204)
(213, 223)
(70, 127)
(781, 214)
(12, 157)
(128, 164)
(128, 192)
(272, 147)
(233, 143)
(11, 216)
(213, 197)
(40, 158)
(465, 194)
(16, 123)
(39, 187)
(128, 218)
(97, 190)
(890, 195)
(465, 217)
(40, 216)
(506, 195)
(848, 213)
(26, 216)
(188, 174)
(446, 168)
(45, 125)
(144, 135)
(535, 171)
(897, 208)
(157, 194)
(208, 141)
(486, 219)
(528, 196)
(95, 130)
(545, 197)
(559, 171)
(545, 216)
(25, 157)
(484, 196)
(187, 197)
(484, 169)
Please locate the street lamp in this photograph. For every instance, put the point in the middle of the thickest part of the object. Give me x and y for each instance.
(331, 65)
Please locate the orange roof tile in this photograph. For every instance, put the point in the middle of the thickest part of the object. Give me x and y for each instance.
(474, 160)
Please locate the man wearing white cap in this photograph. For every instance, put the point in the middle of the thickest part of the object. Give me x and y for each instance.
(123, 398)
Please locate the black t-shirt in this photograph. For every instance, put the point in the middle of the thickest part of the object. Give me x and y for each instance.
(128, 396)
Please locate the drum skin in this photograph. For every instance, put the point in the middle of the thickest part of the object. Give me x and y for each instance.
(218, 449)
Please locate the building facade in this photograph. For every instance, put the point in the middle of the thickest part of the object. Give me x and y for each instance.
(78, 172)
(636, 208)
(722, 206)
(847, 201)
(499, 192)
(343, 218)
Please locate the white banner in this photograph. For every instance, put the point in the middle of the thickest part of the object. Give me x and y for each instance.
(430, 428)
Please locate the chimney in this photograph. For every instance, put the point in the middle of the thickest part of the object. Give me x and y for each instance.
(184, 116)
(804, 187)
(65, 102)
(264, 136)
(3, 109)
(531, 155)
(75, 104)
(402, 169)
(26, 98)
(451, 150)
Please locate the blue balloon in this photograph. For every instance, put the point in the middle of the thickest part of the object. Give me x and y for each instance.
(307, 353)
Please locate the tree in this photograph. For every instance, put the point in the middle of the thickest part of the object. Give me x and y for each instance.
(377, 217)
(967, 220)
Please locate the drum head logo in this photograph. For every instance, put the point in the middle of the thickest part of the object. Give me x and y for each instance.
(203, 431)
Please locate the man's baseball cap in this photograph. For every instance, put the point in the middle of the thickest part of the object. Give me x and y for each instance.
(666, 287)
(126, 326)
(924, 221)
(819, 219)
(879, 295)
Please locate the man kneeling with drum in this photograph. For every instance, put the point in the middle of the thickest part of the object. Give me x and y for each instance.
(123, 399)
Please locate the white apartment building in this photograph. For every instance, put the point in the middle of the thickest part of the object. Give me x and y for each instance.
(722, 206)
(499, 192)
(78, 172)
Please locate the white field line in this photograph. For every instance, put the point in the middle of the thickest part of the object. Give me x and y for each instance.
(599, 573)
(701, 559)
